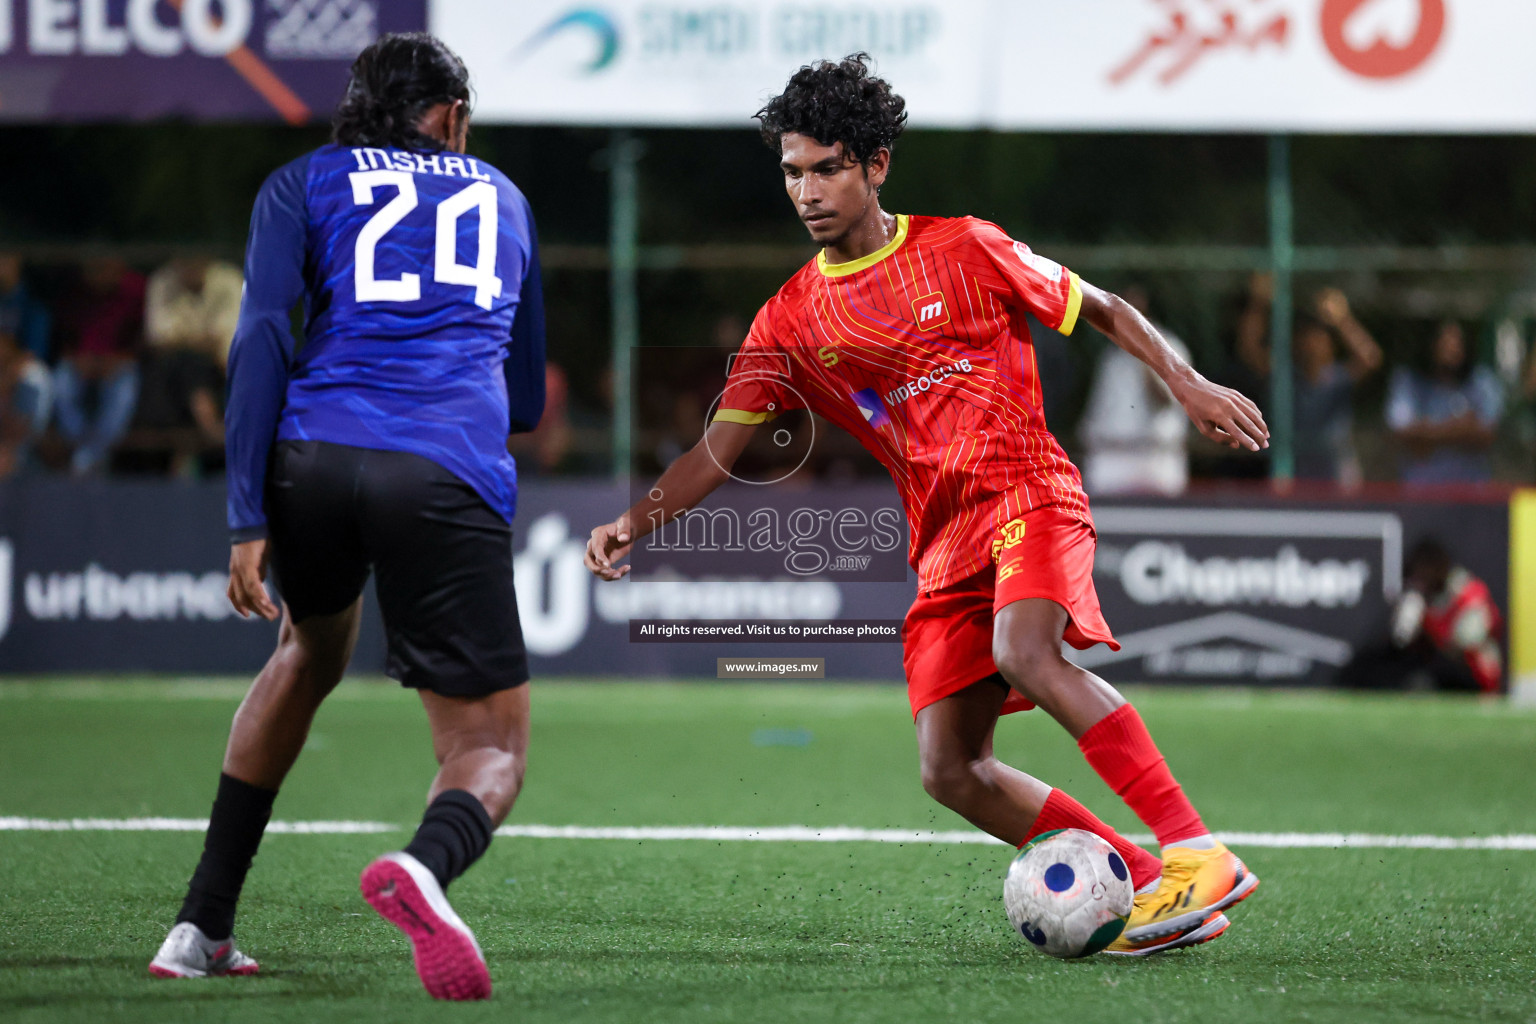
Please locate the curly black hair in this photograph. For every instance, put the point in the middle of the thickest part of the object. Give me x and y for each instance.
(394, 81)
(836, 102)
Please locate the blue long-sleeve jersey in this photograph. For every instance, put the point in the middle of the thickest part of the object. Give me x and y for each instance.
(423, 319)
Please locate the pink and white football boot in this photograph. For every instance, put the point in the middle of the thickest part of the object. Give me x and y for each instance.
(448, 959)
(188, 953)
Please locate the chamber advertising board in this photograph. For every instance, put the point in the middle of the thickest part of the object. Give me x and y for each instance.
(1279, 593)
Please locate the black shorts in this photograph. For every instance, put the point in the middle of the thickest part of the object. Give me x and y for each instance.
(442, 560)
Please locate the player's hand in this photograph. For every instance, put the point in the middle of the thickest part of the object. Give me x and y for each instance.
(247, 573)
(1225, 416)
(609, 543)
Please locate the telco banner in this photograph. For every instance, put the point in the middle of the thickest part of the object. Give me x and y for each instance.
(118, 577)
(95, 60)
(1243, 65)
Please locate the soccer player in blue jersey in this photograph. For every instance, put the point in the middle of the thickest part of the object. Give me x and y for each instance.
(380, 445)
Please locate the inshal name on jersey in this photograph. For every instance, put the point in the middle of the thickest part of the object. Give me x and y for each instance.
(447, 164)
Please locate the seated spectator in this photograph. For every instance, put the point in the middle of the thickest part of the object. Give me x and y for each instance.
(1324, 391)
(96, 383)
(22, 316)
(1135, 434)
(26, 389)
(1445, 419)
(191, 307)
(1445, 632)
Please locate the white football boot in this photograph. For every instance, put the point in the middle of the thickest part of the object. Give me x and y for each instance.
(188, 953)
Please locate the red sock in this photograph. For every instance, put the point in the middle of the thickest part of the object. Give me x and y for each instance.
(1061, 811)
(1121, 750)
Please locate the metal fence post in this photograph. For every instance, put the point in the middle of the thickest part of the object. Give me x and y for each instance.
(1282, 259)
(623, 252)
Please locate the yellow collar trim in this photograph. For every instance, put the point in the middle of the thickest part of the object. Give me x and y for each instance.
(864, 262)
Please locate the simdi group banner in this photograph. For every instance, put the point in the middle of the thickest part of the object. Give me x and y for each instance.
(1239, 65)
(1207, 65)
(130, 577)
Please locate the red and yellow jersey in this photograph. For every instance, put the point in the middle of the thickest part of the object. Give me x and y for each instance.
(921, 351)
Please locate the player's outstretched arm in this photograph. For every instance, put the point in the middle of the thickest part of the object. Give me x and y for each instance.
(1221, 414)
(686, 482)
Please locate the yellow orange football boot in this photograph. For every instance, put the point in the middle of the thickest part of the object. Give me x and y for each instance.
(1205, 931)
(1195, 885)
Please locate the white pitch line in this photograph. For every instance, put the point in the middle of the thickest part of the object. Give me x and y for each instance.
(807, 834)
(779, 834)
(319, 828)
(1367, 841)
(742, 834)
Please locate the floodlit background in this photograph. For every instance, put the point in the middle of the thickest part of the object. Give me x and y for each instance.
(1328, 204)
(1331, 204)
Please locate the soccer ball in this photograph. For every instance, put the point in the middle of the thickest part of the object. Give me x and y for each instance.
(1068, 893)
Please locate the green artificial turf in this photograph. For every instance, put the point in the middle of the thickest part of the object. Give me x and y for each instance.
(588, 930)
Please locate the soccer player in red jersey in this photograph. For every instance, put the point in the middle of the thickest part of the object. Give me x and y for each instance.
(909, 333)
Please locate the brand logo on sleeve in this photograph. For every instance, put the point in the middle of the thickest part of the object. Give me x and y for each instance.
(1048, 269)
(930, 311)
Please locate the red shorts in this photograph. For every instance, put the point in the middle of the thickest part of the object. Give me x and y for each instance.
(947, 638)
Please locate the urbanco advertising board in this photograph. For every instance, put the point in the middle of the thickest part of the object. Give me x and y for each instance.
(1198, 65)
(129, 577)
(115, 577)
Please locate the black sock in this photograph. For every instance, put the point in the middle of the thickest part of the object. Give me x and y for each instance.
(454, 832)
(240, 815)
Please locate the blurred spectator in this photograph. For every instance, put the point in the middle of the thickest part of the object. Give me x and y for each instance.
(1322, 389)
(191, 307)
(1324, 393)
(96, 384)
(544, 449)
(1520, 417)
(22, 317)
(26, 389)
(193, 303)
(1135, 434)
(26, 399)
(696, 383)
(1445, 632)
(1248, 370)
(1445, 419)
(592, 426)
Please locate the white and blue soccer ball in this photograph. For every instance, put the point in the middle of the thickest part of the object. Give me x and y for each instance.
(1068, 893)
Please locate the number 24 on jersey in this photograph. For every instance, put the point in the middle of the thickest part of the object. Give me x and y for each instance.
(446, 268)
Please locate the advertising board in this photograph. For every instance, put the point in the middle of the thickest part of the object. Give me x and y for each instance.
(129, 578)
(111, 60)
(1197, 65)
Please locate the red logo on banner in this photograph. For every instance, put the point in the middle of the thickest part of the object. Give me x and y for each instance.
(1381, 57)
(1193, 33)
